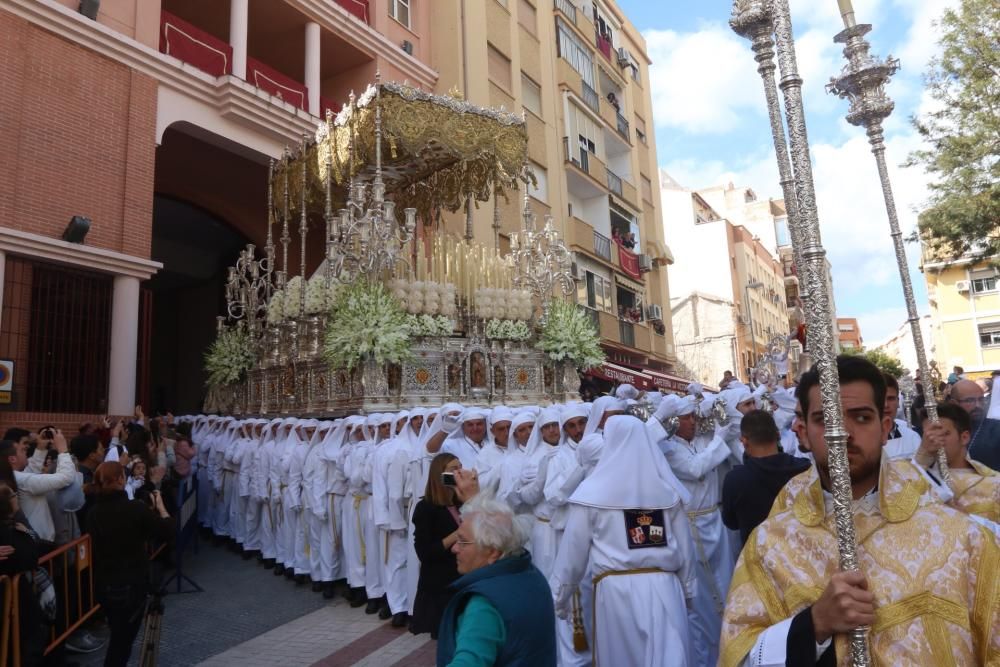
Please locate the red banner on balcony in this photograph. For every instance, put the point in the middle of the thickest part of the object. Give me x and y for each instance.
(180, 39)
(275, 83)
(604, 45)
(357, 7)
(629, 262)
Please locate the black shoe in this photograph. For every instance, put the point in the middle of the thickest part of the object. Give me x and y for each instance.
(318, 586)
(268, 563)
(247, 555)
(290, 573)
(357, 597)
(329, 590)
(373, 606)
(384, 613)
(301, 579)
(400, 620)
(279, 569)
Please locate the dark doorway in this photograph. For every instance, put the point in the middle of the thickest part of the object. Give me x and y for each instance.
(195, 248)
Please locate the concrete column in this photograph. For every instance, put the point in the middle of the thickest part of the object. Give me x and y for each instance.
(124, 345)
(312, 66)
(239, 19)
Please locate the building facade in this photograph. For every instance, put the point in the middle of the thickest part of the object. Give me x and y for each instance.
(727, 261)
(849, 334)
(156, 120)
(900, 344)
(705, 331)
(965, 313)
(579, 72)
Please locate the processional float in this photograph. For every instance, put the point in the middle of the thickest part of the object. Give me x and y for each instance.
(767, 24)
(471, 309)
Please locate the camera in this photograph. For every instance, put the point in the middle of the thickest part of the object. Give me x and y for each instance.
(48, 433)
(448, 478)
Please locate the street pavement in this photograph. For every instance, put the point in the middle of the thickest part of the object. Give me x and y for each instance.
(247, 617)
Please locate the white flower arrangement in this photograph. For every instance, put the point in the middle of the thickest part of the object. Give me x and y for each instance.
(318, 297)
(430, 325)
(568, 334)
(293, 298)
(503, 304)
(366, 322)
(276, 307)
(507, 330)
(229, 357)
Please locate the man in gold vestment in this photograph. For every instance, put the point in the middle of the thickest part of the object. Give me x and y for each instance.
(976, 487)
(929, 580)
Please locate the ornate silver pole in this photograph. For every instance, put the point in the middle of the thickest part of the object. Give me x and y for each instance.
(818, 314)
(286, 237)
(862, 82)
(303, 225)
(468, 218)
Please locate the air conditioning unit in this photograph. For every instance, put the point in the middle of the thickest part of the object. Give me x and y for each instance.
(624, 57)
(654, 312)
(962, 285)
(645, 263)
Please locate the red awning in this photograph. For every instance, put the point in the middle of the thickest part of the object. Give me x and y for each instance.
(664, 382)
(622, 375)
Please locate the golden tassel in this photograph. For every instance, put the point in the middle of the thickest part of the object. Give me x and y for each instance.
(579, 633)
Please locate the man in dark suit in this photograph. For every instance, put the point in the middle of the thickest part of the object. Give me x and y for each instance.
(985, 443)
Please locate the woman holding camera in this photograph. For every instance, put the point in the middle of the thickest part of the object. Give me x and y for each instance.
(121, 529)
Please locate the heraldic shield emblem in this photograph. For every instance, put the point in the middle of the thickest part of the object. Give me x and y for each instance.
(645, 528)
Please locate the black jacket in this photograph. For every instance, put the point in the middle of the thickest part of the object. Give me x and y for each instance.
(750, 489)
(431, 524)
(985, 444)
(120, 529)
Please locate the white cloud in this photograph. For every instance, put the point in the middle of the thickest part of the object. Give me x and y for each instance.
(878, 325)
(699, 80)
(922, 39)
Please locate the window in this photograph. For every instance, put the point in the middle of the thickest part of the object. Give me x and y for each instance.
(400, 10)
(989, 334)
(541, 190)
(587, 132)
(983, 281)
(499, 67)
(595, 292)
(575, 53)
(640, 129)
(845, 327)
(57, 328)
(531, 95)
(647, 189)
(526, 16)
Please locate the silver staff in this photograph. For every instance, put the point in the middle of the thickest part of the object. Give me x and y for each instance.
(807, 244)
(862, 82)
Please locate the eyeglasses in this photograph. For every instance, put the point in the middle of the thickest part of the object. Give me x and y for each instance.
(463, 543)
(972, 400)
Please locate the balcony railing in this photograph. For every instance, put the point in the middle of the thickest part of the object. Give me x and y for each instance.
(602, 246)
(604, 46)
(189, 43)
(626, 333)
(593, 316)
(578, 155)
(614, 183)
(590, 98)
(622, 126)
(567, 8)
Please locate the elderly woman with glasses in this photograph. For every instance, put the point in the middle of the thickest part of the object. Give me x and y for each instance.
(501, 612)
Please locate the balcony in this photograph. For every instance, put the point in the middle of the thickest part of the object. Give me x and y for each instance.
(592, 315)
(567, 8)
(602, 246)
(604, 46)
(614, 183)
(622, 125)
(587, 176)
(626, 333)
(590, 97)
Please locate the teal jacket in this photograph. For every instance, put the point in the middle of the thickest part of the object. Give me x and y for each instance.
(518, 592)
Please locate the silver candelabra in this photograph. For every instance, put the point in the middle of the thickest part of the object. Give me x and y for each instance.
(862, 82)
(248, 288)
(761, 20)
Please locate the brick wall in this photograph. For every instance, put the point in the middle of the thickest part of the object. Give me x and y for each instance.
(78, 138)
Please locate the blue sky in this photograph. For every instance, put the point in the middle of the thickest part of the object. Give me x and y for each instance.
(712, 128)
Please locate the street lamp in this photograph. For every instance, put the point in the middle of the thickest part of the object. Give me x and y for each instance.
(756, 284)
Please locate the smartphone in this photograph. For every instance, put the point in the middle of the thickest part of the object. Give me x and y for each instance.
(448, 478)
(48, 433)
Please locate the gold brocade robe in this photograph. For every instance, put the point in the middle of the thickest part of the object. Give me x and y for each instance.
(935, 574)
(977, 491)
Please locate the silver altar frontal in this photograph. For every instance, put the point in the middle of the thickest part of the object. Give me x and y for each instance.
(370, 187)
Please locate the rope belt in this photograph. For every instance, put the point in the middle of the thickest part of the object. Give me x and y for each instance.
(385, 556)
(705, 512)
(614, 573)
(333, 520)
(358, 497)
(538, 518)
(713, 585)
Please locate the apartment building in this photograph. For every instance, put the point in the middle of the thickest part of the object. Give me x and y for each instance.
(579, 72)
(965, 312)
(155, 121)
(849, 334)
(716, 257)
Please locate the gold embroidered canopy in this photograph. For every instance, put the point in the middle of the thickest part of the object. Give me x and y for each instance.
(437, 151)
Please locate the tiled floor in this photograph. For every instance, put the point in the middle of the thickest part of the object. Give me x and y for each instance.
(248, 617)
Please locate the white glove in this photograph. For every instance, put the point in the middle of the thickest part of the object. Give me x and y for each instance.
(662, 411)
(722, 431)
(564, 610)
(449, 423)
(529, 473)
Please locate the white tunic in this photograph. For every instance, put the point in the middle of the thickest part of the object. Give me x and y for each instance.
(905, 445)
(640, 617)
